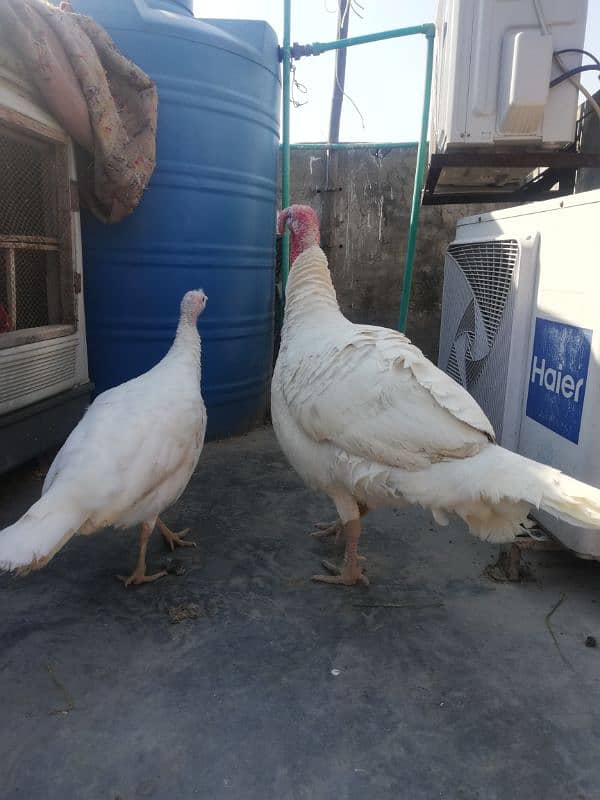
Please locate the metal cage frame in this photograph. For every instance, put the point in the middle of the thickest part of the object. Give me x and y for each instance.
(63, 320)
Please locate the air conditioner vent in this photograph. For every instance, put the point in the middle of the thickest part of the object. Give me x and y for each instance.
(38, 372)
(488, 267)
(478, 278)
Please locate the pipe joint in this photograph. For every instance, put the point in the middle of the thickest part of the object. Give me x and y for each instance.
(302, 50)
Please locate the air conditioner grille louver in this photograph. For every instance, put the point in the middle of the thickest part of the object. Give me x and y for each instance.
(46, 368)
(478, 303)
(488, 267)
(452, 367)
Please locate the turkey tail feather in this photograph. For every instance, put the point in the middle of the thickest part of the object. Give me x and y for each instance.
(494, 491)
(572, 501)
(518, 483)
(33, 540)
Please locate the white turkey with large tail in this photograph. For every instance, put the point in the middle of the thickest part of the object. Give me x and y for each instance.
(363, 416)
(129, 459)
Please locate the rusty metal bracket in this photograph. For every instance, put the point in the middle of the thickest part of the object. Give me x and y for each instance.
(560, 169)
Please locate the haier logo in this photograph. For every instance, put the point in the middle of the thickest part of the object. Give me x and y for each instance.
(558, 375)
(555, 381)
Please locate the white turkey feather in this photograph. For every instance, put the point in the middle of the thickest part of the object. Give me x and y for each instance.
(129, 458)
(362, 415)
(372, 393)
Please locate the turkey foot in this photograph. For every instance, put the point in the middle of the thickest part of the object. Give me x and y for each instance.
(351, 573)
(327, 529)
(138, 575)
(174, 539)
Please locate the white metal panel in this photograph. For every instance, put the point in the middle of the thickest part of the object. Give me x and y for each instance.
(524, 81)
(559, 395)
(38, 370)
(14, 94)
(452, 58)
(35, 371)
(489, 285)
(469, 93)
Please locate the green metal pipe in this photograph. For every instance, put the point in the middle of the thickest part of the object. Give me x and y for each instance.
(353, 145)
(418, 187)
(285, 137)
(317, 48)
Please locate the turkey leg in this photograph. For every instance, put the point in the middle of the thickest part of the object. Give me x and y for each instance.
(351, 572)
(174, 539)
(139, 573)
(327, 529)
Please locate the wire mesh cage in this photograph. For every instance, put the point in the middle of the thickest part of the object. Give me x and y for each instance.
(36, 285)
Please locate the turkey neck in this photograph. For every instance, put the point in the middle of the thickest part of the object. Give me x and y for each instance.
(187, 343)
(309, 291)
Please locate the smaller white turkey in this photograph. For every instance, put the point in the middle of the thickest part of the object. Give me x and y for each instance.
(129, 459)
(363, 416)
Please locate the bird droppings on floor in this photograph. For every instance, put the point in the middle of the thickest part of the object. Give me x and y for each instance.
(174, 566)
(448, 685)
(182, 612)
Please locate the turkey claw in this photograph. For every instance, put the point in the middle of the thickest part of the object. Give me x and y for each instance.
(347, 576)
(136, 578)
(327, 529)
(331, 567)
(175, 539)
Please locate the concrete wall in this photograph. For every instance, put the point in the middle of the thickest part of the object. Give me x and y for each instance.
(363, 200)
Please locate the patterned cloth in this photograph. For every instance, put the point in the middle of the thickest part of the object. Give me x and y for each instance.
(104, 101)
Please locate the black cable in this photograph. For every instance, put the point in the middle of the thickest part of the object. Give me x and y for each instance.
(586, 115)
(570, 73)
(578, 50)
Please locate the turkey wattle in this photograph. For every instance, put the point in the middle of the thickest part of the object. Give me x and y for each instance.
(363, 416)
(129, 459)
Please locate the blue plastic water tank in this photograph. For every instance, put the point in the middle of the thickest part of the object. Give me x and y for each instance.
(207, 218)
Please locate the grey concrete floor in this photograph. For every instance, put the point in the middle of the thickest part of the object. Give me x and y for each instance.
(282, 688)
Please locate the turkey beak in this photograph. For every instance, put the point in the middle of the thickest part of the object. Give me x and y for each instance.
(282, 220)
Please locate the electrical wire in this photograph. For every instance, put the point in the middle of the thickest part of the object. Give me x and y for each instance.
(300, 87)
(575, 71)
(345, 14)
(351, 5)
(560, 63)
(354, 5)
(337, 80)
(540, 16)
(578, 50)
(577, 83)
(347, 96)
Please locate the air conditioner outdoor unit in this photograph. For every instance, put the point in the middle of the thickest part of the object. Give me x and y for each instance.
(521, 331)
(492, 72)
(43, 360)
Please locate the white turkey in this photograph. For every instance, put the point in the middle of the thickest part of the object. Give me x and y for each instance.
(364, 417)
(129, 459)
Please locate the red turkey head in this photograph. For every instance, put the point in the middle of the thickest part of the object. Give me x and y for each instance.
(304, 228)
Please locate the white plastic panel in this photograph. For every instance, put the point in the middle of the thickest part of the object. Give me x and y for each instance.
(35, 370)
(476, 44)
(524, 82)
(554, 390)
(488, 294)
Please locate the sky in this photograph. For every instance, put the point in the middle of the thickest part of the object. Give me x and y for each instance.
(384, 79)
